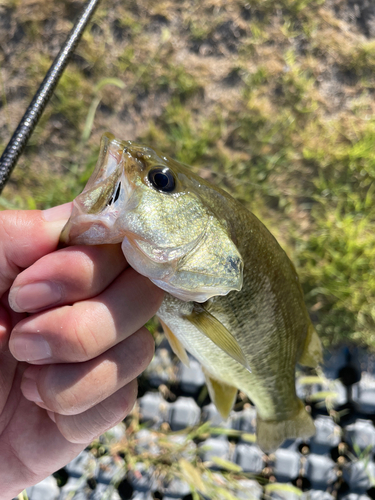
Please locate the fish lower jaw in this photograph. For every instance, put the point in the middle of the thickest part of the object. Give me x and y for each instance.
(88, 230)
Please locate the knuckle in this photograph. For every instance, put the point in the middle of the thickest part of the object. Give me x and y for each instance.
(84, 427)
(86, 266)
(142, 349)
(83, 328)
(72, 429)
(67, 403)
(56, 394)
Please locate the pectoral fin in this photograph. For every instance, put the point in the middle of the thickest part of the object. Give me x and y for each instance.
(218, 333)
(222, 394)
(312, 352)
(175, 344)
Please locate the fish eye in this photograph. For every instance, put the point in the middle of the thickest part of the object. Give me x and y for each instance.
(162, 179)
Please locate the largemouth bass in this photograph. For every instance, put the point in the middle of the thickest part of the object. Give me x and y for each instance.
(233, 297)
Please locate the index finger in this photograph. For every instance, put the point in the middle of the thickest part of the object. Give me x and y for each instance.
(25, 236)
(66, 276)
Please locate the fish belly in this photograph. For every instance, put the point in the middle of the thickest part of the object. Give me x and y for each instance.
(219, 364)
(281, 414)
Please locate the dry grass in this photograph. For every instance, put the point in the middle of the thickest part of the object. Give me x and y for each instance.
(272, 100)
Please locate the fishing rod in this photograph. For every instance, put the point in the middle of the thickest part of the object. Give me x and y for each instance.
(31, 117)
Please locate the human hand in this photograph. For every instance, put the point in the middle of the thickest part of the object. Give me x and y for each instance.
(68, 369)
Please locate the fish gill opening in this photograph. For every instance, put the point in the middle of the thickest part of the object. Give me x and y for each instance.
(116, 195)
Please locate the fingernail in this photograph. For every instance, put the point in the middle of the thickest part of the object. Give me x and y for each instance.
(34, 296)
(61, 212)
(30, 347)
(30, 390)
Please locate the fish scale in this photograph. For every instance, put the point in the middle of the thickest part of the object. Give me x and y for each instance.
(233, 297)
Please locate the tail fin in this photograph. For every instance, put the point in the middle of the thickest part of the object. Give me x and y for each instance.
(272, 433)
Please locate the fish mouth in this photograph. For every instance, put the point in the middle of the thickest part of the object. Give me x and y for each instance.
(106, 196)
(87, 229)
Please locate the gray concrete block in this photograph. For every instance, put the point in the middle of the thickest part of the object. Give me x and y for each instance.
(320, 471)
(115, 434)
(162, 368)
(191, 377)
(75, 489)
(355, 496)
(364, 394)
(351, 496)
(146, 441)
(153, 408)
(335, 387)
(176, 488)
(249, 490)
(183, 413)
(84, 464)
(140, 495)
(287, 465)
(361, 434)
(244, 420)
(211, 414)
(45, 490)
(214, 447)
(327, 435)
(109, 470)
(249, 457)
(104, 491)
(189, 447)
(302, 390)
(142, 479)
(341, 393)
(358, 475)
(283, 494)
(318, 495)
(291, 444)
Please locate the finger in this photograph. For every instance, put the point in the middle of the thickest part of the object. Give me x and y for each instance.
(25, 236)
(66, 276)
(7, 319)
(71, 389)
(4, 328)
(85, 427)
(85, 330)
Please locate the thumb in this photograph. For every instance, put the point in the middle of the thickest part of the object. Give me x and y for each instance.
(27, 235)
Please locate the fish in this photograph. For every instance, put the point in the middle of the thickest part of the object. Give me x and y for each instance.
(233, 298)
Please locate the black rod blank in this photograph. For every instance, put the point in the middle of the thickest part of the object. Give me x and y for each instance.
(31, 117)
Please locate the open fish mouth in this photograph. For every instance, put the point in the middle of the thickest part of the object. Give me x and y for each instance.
(86, 230)
(107, 194)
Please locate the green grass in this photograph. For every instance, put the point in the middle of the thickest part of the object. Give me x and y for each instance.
(300, 156)
(271, 100)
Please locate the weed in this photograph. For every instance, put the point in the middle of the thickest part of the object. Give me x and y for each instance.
(278, 112)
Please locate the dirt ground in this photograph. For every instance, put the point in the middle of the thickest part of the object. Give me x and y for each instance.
(271, 100)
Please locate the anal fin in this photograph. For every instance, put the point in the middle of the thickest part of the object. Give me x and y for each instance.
(312, 351)
(175, 344)
(223, 395)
